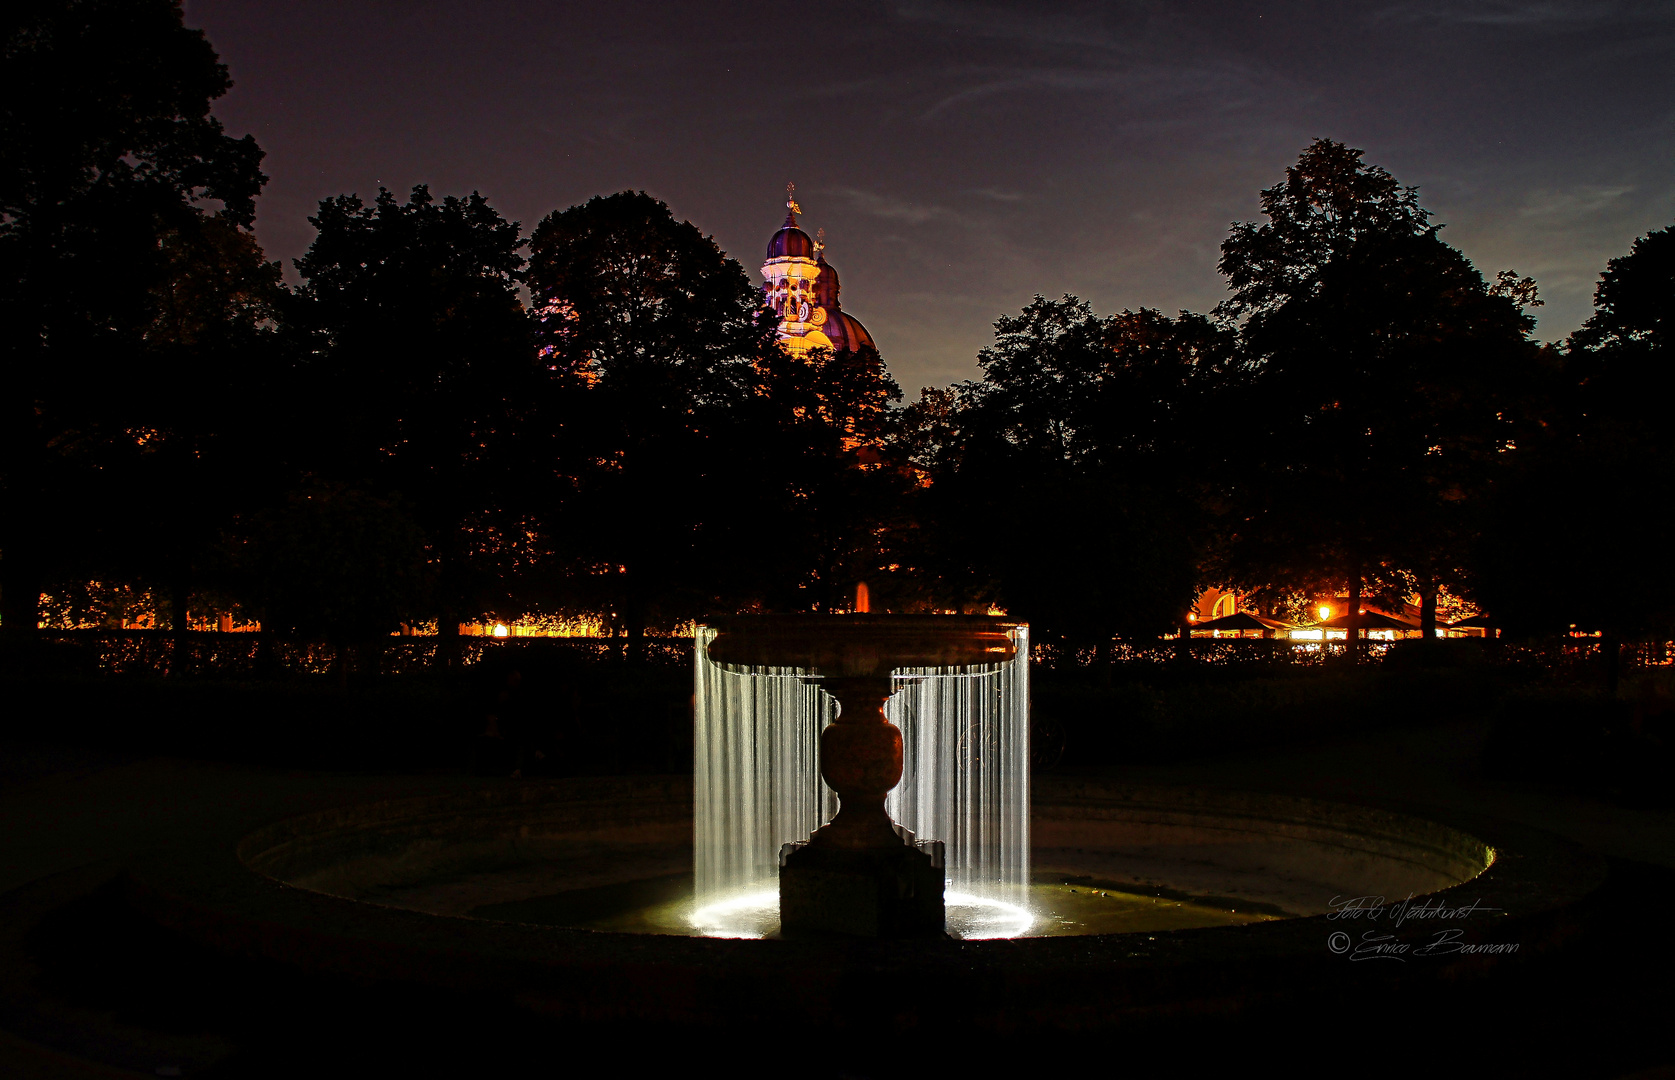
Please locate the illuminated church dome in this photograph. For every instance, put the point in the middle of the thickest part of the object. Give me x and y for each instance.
(843, 329)
(790, 242)
(802, 287)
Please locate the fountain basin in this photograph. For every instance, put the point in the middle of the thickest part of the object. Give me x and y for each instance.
(1106, 860)
(383, 893)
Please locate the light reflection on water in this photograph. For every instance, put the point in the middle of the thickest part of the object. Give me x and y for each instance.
(1056, 910)
(756, 915)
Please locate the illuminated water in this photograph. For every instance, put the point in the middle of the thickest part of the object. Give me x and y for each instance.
(1058, 910)
(1053, 907)
(965, 777)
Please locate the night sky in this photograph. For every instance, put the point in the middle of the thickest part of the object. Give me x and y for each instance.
(965, 156)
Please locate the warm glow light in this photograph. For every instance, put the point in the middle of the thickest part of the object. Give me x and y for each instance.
(500, 630)
(734, 916)
(970, 918)
(986, 918)
(1325, 612)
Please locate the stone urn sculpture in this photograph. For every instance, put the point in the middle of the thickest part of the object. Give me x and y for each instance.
(861, 873)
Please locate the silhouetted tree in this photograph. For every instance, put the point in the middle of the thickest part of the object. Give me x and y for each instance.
(662, 332)
(1328, 201)
(1383, 372)
(1585, 522)
(212, 351)
(828, 493)
(112, 163)
(950, 568)
(421, 367)
(1378, 417)
(335, 564)
(1081, 428)
(1634, 303)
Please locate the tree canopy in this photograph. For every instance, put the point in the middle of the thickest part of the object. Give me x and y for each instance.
(1328, 201)
(659, 333)
(1374, 421)
(1585, 519)
(1083, 427)
(402, 438)
(1634, 304)
(113, 171)
(419, 378)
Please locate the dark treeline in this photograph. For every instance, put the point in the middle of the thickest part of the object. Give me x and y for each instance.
(452, 419)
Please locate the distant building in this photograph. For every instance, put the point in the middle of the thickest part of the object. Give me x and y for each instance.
(1213, 604)
(802, 287)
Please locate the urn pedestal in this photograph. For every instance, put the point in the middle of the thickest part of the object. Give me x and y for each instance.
(869, 892)
(861, 874)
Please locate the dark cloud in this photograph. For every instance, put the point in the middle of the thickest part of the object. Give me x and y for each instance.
(1530, 13)
(965, 156)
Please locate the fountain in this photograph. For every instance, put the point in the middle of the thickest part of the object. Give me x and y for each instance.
(837, 761)
(766, 734)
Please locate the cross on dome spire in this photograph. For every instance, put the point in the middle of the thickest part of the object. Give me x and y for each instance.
(791, 205)
(819, 240)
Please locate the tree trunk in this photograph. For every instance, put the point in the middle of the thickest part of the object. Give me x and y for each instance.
(180, 625)
(1428, 610)
(447, 617)
(267, 655)
(447, 640)
(1611, 659)
(22, 502)
(370, 653)
(635, 613)
(20, 596)
(1354, 614)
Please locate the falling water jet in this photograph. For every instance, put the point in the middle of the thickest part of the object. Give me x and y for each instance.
(782, 702)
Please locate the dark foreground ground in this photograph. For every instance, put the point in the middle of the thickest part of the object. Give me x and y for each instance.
(87, 988)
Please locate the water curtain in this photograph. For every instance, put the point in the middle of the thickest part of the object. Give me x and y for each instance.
(965, 776)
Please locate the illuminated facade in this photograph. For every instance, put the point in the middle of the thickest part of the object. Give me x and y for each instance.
(1214, 604)
(802, 288)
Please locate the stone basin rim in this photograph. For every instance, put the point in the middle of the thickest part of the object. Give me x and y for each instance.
(862, 644)
(206, 891)
(1370, 832)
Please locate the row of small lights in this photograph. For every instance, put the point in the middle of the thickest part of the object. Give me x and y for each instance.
(1324, 610)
